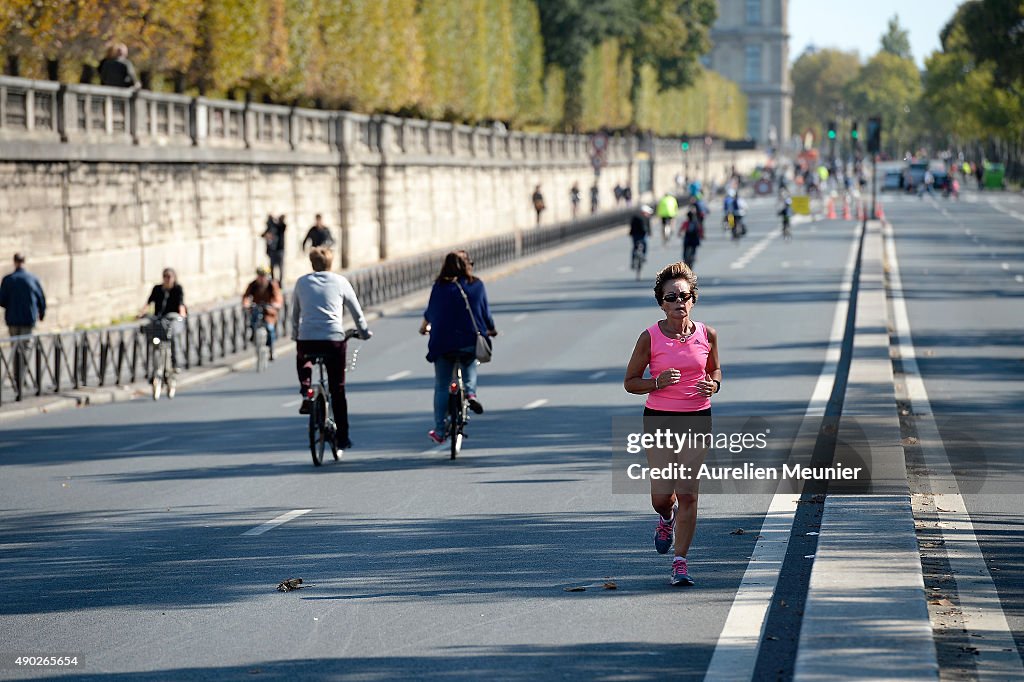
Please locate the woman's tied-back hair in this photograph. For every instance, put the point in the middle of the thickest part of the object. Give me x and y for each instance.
(321, 258)
(675, 271)
(457, 265)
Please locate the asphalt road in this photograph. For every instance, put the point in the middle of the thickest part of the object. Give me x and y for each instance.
(122, 526)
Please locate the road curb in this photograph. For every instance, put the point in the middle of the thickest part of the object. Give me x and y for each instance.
(866, 614)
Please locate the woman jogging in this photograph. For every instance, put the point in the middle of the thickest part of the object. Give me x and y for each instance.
(683, 358)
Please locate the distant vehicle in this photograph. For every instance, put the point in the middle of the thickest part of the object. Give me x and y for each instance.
(893, 181)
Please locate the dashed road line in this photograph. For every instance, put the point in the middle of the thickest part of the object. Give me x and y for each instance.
(754, 251)
(292, 403)
(275, 522)
(136, 446)
(520, 317)
(398, 375)
(535, 404)
(597, 375)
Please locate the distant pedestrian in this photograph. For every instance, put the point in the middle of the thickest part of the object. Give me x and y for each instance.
(538, 202)
(22, 298)
(594, 193)
(627, 195)
(693, 233)
(274, 236)
(574, 199)
(979, 173)
(318, 235)
(618, 194)
(115, 69)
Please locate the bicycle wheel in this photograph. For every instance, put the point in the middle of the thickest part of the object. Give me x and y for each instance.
(262, 352)
(158, 368)
(317, 417)
(455, 423)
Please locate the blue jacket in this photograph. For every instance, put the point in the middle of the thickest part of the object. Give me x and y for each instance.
(450, 326)
(22, 298)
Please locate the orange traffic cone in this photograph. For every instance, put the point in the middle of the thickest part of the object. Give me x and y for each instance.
(879, 213)
(831, 209)
(846, 209)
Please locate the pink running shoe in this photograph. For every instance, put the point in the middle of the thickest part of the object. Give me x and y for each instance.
(436, 437)
(679, 575)
(663, 533)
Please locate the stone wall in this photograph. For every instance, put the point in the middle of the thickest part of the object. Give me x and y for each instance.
(103, 189)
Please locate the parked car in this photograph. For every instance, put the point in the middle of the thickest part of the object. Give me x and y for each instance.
(893, 181)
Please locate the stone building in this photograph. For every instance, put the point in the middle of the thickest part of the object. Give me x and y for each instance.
(751, 47)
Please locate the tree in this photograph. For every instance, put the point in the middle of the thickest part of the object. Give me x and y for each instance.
(896, 40)
(819, 87)
(889, 86)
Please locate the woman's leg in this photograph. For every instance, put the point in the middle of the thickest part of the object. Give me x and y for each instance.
(442, 377)
(469, 373)
(686, 522)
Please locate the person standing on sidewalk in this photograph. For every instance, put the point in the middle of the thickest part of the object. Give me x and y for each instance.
(682, 355)
(274, 236)
(22, 298)
(538, 202)
(574, 199)
(24, 304)
(318, 235)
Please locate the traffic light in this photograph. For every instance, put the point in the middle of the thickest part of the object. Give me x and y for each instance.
(685, 144)
(874, 134)
(854, 134)
(831, 130)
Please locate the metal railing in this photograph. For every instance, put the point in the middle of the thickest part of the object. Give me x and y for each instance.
(118, 355)
(113, 356)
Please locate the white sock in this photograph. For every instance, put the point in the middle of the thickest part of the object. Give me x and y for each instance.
(679, 558)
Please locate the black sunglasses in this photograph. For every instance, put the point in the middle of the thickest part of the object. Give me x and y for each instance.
(672, 297)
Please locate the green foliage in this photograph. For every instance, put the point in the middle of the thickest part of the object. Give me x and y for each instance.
(819, 81)
(896, 40)
(554, 64)
(889, 86)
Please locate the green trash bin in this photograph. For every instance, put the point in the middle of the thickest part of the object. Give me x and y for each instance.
(993, 175)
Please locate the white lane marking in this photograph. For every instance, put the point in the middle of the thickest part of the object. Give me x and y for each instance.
(292, 403)
(1004, 266)
(520, 317)
(143, 444)
(1018, 278)
(437, 448)
(754, 251)
(982, 610)
(398, 375)
(738, 644)
(274, 523)
(597, 375)
(535, 404)
(565, 269)
(1007, 211)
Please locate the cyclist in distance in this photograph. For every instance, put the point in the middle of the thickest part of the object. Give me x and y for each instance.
(318, 304)
(682, 355)
(168, 298)
(456, 291)
(668, 208)
(640, 230)
(266, 292)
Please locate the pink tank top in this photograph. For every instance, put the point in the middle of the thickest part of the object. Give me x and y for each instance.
(690, 357)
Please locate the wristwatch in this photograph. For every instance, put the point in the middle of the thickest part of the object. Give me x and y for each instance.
(718, 385)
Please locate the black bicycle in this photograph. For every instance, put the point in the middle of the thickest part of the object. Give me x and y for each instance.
(260, 335)
(458, 403)
(322, 427)
(639, 257)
